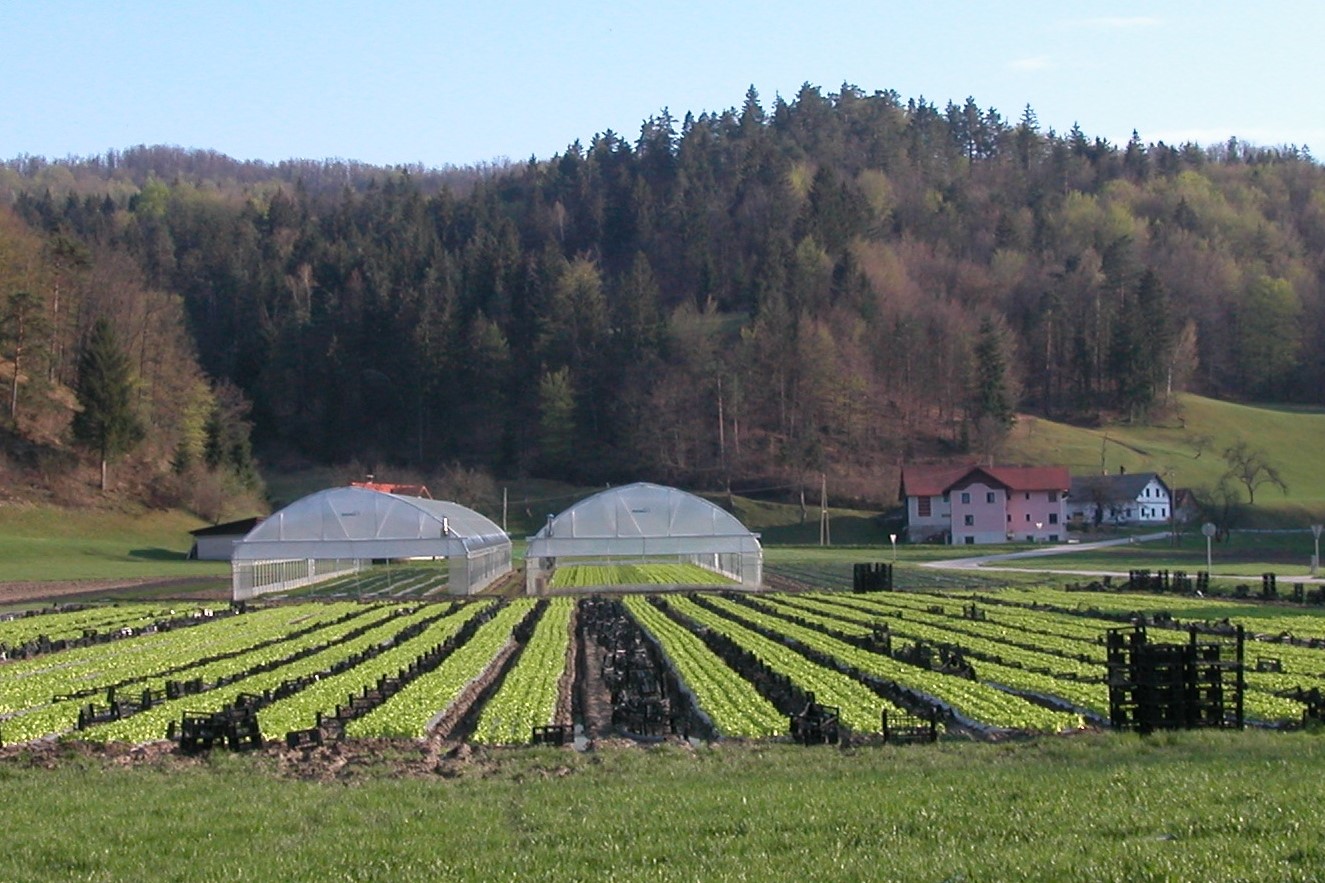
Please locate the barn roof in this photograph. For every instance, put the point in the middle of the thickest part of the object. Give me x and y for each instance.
(229, 528)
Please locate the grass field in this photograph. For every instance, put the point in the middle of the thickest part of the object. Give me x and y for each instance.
(1244, 553)
(1207, 806)
(1186, 448)
(43, 543)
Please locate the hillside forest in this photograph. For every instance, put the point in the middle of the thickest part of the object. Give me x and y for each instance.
(833, 284)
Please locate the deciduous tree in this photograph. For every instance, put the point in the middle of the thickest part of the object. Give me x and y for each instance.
(1251, 467)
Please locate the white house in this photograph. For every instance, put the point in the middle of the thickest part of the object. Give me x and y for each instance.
(1139, 498)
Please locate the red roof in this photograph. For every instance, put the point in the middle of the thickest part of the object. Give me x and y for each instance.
(1033, 478)
(931, 481)
(406, 490)
(934, 481)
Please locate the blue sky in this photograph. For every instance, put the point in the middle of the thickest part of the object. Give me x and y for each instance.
(446, 82)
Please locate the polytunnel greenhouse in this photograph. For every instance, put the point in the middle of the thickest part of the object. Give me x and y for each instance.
(342, 530)
(645, 522)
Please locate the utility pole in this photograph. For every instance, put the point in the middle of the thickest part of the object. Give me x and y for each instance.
(722, 431)
(824, 539)
(503, 508)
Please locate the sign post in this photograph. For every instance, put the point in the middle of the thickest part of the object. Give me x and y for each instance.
(1209, 530)
(893, 538)
(1315, 558)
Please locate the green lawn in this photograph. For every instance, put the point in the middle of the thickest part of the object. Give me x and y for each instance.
(1242, 554)
(1207, 806)
(44, 543)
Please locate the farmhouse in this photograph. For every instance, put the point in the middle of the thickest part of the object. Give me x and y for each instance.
(1137, 498)
(965, 505)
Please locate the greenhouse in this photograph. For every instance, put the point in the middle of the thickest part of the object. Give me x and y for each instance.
(342, 530)
(645, 522)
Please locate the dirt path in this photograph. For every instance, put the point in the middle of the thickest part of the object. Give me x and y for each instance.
(595, 700)
(186, 589)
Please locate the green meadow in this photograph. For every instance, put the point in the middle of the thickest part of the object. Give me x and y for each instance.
(45, 543)
(1186, 449)
(1208, 806)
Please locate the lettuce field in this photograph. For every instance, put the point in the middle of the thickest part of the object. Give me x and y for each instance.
(722, 665)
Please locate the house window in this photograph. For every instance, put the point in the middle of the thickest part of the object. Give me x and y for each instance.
(966, 497)
(1053, 517)
(969, 520)
(1163, 513)
(1009, 518)
(1052, 495)
(989, 497)
(1028, 495)
(923, 507)
(1053, 537)
(970, 541)
(1028, 516)
(945, 496)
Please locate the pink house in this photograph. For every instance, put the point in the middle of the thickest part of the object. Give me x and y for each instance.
(965, 505)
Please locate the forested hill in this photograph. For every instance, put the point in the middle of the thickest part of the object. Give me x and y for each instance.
(830, 284)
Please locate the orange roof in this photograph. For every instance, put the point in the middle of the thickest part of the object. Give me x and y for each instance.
(933, 481)
(406, 490)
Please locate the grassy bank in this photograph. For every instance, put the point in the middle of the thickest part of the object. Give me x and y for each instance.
(46, 543)
(1212, 806)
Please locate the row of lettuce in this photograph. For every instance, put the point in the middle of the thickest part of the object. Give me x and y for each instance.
(1036, 669)
(585, 576)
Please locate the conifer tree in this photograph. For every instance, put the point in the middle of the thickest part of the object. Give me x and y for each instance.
(107, 422)
(993, 399)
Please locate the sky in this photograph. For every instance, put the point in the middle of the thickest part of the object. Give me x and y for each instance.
(460, 82)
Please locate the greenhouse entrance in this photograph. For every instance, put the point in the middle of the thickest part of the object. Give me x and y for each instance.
(339, 532)
(643, 536)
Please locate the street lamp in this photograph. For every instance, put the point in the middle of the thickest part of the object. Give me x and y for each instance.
(1038, 525)
(1315, 559)
(1209, 530)
(892, 538)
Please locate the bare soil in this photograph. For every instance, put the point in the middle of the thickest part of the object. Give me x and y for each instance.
(595, 698)
(187, 589)
(359, 759)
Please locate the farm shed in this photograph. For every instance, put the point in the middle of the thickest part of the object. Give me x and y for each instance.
(643, 521)
(336, 531)
(216, 543)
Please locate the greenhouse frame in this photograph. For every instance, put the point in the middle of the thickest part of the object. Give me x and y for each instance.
(338, 531)
(644, 521)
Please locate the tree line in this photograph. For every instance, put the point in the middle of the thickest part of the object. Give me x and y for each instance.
(834, 283)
